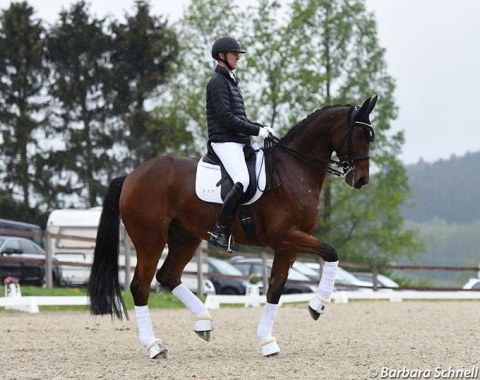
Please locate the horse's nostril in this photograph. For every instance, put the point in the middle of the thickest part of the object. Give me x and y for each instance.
(361, 182)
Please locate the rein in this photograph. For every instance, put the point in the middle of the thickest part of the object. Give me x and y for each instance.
(342, 167)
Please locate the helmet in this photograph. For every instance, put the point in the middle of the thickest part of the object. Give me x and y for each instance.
(225, 44)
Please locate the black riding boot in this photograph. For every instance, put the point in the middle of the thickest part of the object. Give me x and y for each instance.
(220, 235)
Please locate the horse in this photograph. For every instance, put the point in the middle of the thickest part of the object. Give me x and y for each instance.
(158, 206)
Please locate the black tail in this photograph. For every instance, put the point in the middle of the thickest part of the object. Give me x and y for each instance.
(103, 286)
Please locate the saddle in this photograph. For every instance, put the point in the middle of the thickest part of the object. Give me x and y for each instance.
(226, 181)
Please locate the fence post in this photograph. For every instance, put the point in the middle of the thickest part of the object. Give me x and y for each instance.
(375, 277)
(48, 261)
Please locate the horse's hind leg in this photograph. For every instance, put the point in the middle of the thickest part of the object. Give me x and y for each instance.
(181, 248)
(147, 260)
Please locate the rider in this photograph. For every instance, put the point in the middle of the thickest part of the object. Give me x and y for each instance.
(229, 131)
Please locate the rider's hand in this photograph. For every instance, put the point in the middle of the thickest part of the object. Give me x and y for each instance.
(269, 129)
(263, 133)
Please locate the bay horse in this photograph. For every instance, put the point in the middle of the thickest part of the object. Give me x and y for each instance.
(158, 205)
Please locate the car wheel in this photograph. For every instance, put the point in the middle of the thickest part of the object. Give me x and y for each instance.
(229, 291)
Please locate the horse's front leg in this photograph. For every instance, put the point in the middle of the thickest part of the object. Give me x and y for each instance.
(282, 262)
(304, 242)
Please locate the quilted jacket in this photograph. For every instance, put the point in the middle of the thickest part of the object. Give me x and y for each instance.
(226, 117)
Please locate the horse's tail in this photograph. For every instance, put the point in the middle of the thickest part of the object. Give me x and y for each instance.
(103, 286)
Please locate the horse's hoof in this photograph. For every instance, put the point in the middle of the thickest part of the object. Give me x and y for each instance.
(313, 313)
(270, 347)
(156, 350)
(272, 355)
(316, 307)
(161, 355)
(203, 326)
(205, 335)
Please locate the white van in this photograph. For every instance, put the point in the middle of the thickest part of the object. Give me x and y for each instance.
(70, 237)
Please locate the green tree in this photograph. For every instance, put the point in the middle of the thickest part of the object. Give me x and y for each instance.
(203, 22)
(143, 61)
(23, 75)
(322, 52)
(78, 51)
(341, 61)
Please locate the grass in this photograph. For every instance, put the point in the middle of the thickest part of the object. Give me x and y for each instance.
(156, 300)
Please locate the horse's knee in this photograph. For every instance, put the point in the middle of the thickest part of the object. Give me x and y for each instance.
(328, 253)
(167, 281)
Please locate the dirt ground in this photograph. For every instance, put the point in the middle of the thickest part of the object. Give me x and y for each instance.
(346, 343)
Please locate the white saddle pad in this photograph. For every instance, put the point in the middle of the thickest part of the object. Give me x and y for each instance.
(209, 175)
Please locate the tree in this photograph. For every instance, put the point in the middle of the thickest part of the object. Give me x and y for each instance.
(323, 52)
(341, 61)
(78, 51)
(23, 76)
(203, 22)
(143, 60)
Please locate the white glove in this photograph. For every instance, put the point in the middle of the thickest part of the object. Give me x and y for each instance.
(264, 132)
(270, 130)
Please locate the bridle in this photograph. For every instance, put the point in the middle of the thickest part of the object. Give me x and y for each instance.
(341, 167)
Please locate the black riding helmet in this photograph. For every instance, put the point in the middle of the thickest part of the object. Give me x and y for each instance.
(224, 45)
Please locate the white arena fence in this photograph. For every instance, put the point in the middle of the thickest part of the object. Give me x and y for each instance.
(252, 299)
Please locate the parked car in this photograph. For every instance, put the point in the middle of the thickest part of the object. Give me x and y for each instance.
(472, 283)
(29, 272)
(344, 280)
(382, 280)
(225, 285)
(296, 281)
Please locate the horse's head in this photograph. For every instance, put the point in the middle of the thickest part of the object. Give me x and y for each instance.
(351, 141)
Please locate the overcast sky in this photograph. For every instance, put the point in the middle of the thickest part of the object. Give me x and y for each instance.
(432, 51)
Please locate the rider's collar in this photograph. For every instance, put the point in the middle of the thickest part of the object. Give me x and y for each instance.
(227, 71)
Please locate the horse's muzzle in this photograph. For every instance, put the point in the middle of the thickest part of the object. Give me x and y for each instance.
(356, 180)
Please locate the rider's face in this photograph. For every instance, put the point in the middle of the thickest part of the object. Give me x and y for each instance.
(232, 59)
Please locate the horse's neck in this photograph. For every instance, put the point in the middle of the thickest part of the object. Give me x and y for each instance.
(313, 142)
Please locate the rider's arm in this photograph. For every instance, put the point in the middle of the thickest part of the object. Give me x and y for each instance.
(219, 94)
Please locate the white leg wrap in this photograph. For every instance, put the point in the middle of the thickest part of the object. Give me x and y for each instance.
(144, 325)
(203, 322)
(270, 346)
(327, 282)
(189, 299)
(318, 304)
(265, 326)
(156, 348)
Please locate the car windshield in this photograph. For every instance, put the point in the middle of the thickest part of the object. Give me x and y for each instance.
(1, 241)
(224, 267)
(343, 275)
(306, 270)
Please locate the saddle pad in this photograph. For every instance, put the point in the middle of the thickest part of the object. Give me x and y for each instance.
(209, 175)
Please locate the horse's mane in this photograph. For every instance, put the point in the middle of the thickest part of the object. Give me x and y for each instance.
(294, 131)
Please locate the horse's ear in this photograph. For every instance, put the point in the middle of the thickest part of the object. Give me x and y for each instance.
(372, 103)
(363, 111)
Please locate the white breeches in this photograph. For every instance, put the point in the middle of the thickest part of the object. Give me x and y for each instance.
(233, 159)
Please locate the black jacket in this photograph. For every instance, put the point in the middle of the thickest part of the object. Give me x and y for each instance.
(226, 117)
